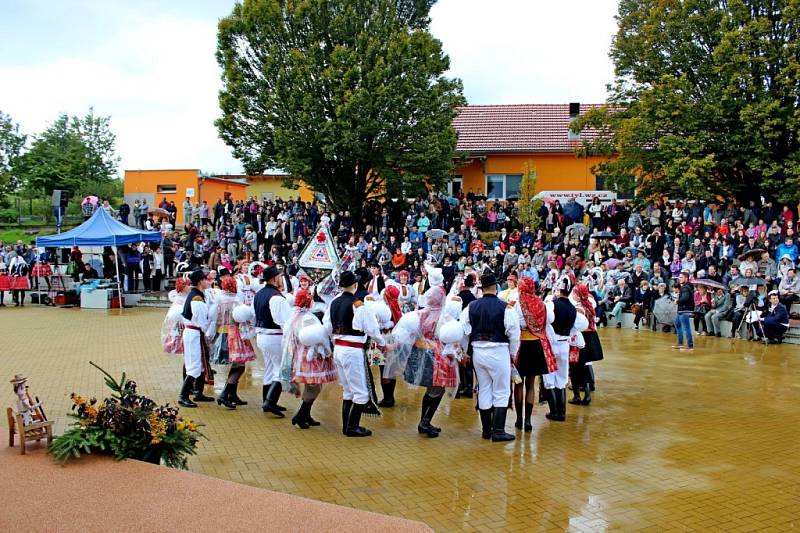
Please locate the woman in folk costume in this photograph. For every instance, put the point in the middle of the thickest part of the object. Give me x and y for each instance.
(535, 356)
(434, 353)
(229, 347)
(307, 357)
(387, 312)
(18, 270)
(172, 328)
(581, 371)
(407, 297)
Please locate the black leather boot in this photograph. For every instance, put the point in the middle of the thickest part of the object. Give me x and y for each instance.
(233, 395)
(270, 405)
(311, 421)
(199, 385)
(429, 406)
(186, 389)
(353, 427)
(499, 426)
(561, 404)
(264, 392)
(577, 384)
(528, 413)
(388, 393)
(590, 376)
(550, 395)
(486, 423)
(224, 397)
(278, 396)
(301, 418)
(347, 406)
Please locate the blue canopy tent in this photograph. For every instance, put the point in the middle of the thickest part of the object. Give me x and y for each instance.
(100, 230)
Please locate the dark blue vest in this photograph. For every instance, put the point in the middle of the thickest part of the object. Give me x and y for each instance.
(565, 316)
(487, 319)
(342, 315)
(187, 305)
(261, 307)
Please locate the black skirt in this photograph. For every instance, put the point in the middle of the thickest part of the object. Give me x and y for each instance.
(531, 361)
(593, 351)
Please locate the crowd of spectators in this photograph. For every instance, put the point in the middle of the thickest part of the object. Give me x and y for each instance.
(631, 256)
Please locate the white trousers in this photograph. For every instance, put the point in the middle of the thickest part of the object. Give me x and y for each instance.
(352, 375)
(558, 379)
(493, 367)
(270, 346)
(192, 352)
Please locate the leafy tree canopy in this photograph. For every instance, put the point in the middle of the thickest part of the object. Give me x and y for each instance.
(11, 144)
(348, 95)
(706, 99)
(69, 153)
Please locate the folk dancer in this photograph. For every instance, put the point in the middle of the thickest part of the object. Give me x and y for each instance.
(433, 359)
(536, 357)
(197, 322)
(581, 371)
(172, 327)
(350, 322)
(407, 298)
(307, 356)
(566, 323)
(390, 297)
(229, 347)
(272, 310)
(493, 331)
(466, 371)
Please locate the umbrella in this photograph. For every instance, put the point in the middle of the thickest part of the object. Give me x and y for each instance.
(710, 283)
(436, 233)
(612, 262)
(577, 227)
(665, 310)
(90, 199)
(549, 201)
(754, 253)
(603, 235)
(742, 280)
(158, 211)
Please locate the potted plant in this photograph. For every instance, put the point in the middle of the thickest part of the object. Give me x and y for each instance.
(127, 425)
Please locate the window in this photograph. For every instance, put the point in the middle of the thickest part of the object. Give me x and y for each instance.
(495, 189)
(513, 184)
(503, 186)
(167, 189)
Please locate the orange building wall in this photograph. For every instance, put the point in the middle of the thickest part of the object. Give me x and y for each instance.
(554, 171)
(141, 182)
(213, 190)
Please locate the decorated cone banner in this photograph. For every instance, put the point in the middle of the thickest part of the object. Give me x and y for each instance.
(319, 258)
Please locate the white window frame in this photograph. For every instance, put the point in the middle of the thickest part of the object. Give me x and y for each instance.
(505, 184)
(460, 181)
(167, 188)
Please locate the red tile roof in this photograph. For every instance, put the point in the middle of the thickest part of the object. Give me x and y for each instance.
(517, 128)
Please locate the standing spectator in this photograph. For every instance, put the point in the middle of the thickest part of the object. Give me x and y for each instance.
(124, 212)
(683, 322)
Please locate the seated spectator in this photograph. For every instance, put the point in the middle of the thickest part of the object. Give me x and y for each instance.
(775, 320)
(720, 305)
(642, 302)
(621, 297)
(789, 288)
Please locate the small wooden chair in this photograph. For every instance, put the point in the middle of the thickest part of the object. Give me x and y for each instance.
(32, 432)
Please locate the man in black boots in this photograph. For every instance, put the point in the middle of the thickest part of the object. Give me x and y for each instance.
(195, 358)
(271, 310)
(349, 321)
(566, 320)
(466, 371)
(493, 330)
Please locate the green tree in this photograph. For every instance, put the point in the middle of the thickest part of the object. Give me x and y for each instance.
(69, 154)
(705, 99)
(528, 205)
(11, 145)
(348, 95)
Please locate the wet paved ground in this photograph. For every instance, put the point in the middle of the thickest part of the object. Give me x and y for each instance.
(705, 441)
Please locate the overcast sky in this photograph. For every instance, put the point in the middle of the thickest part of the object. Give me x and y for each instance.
(150, 65)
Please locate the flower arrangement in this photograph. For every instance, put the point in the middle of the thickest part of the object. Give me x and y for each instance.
(129, 426)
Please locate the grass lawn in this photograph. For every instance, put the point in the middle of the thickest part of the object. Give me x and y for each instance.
(26, 235)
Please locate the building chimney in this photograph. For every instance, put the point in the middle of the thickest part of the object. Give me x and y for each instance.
(574, 109)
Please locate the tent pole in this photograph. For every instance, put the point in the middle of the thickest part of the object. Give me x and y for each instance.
(119, 285)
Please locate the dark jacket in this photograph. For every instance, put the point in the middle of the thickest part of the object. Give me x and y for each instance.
(686, 299)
